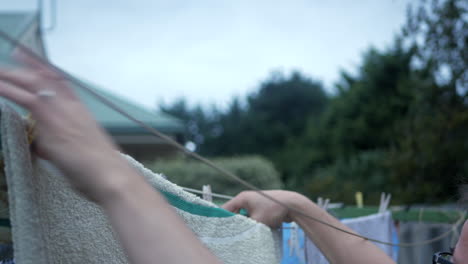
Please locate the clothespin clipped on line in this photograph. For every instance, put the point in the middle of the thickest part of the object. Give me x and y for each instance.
(384, 202)
(207, 195)
(217, 195)
(323, 203)
(242, 211)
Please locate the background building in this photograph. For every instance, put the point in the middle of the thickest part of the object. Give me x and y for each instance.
(132, 139)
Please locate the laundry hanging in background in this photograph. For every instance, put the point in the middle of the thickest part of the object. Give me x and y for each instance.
(377, 226)
(293, 244)
(52, 224)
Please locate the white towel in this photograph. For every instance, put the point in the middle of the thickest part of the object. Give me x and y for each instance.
(52, 224)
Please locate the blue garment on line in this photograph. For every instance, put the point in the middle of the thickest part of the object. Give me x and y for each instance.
(293, 245)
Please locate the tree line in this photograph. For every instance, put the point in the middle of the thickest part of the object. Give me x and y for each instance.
(398, 125)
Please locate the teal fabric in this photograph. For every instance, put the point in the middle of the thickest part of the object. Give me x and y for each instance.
(244, 212)
(183, 205)
(195, 209)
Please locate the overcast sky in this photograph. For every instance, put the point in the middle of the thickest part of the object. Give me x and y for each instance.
(210, 50)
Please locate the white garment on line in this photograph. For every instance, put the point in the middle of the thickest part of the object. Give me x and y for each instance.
(52, 224)
(376, 226)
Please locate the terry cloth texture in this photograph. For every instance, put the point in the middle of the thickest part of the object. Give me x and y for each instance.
(376, 226)
(52, 224)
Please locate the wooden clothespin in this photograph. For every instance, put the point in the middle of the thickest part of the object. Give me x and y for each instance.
(207, 195)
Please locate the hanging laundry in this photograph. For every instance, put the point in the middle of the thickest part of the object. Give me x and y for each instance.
(293, 244)
(52, 224)
(377, 226)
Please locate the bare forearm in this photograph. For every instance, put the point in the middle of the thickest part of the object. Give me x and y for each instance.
(68, 136)
(149, 229)
(338, 247)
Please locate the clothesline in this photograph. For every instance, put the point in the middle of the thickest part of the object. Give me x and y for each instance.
(222, 196)
(194, 155)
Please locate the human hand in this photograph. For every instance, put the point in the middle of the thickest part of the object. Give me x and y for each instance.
(263, 209)
(67, 134)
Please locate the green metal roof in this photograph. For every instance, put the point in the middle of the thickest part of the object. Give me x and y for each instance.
(15, 24)
(115, 123)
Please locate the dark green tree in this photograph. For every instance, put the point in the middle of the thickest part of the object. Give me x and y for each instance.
(199, 122)
(263, 124)
(281, 108)
(432, 149)
(400, 125)
(357, 128)
(439, 30)
(231, 134)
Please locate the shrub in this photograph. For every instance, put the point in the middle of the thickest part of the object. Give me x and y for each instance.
(366, 172)
(193, 174)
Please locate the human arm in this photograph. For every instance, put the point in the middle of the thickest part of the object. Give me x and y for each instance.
(149, 230)
(337, 247)
(460, 254)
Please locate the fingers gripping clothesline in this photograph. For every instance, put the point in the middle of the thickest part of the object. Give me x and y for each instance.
(222, 171)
